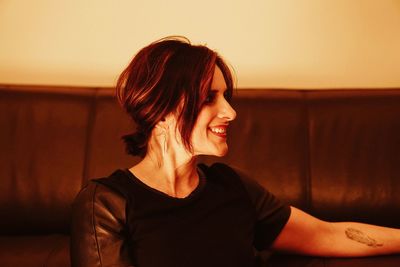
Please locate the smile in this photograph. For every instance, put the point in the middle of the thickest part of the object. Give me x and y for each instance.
(218, 131)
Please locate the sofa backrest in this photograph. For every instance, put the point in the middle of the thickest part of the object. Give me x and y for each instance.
(43, 142)
(334, 153)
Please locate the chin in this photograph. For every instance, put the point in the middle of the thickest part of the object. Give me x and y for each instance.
(217, 151)
(220, 152)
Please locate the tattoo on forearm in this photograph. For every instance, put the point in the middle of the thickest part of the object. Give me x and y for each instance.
(359, 236)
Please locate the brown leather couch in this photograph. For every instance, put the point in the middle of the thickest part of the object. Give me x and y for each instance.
(333, 153)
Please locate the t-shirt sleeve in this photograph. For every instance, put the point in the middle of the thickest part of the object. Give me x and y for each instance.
(272, 214)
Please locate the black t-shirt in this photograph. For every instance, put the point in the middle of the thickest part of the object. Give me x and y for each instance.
(218, 224)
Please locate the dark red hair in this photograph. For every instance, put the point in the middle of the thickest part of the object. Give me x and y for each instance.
(161, 76)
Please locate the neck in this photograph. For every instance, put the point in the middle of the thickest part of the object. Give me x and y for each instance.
(173, 173)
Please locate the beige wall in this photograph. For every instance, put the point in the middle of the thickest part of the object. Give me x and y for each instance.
(270, 43)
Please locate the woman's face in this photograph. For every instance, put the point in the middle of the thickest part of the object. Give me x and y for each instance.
(209, 132)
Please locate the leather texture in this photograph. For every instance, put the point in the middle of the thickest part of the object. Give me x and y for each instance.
(99, 228)
(333, 153)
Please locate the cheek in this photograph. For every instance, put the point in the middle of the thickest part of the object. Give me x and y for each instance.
(205, 116)
(202, 129)
(200, 132)
(203, 121)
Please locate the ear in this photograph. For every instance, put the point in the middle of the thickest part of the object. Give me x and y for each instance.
(166, 122)
(170, 119)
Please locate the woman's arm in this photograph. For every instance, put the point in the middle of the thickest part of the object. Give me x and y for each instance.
(305, 234)
(98, 234)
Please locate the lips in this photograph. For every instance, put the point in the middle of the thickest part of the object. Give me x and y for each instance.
(219, 130)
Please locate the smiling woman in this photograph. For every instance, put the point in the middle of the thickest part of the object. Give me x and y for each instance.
(167, 210)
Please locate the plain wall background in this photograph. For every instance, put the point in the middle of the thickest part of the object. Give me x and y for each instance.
(270, 43)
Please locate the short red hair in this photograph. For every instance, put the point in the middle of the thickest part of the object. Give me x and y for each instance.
(161, 76)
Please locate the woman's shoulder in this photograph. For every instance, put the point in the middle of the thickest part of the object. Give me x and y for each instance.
(106, 191)
(118, 182)
(234, 175)
(101, 196)
(98, 210)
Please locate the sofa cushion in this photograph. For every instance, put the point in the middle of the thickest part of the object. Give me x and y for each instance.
(354, 155)
(43, 140)
(34, 251)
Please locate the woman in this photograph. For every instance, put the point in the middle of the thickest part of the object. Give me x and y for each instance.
(169, 211)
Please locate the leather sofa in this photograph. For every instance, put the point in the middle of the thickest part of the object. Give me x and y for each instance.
(332, 153)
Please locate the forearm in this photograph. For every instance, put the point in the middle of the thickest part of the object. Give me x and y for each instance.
(349, 239)
(307, 235)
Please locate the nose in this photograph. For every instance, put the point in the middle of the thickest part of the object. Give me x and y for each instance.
(226, 111)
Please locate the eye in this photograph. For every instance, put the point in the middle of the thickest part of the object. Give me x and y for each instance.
(210, 98)
(228, 96)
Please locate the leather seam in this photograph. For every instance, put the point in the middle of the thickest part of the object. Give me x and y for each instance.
(94, 226)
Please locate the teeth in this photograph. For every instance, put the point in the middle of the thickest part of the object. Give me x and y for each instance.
(218, 130)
